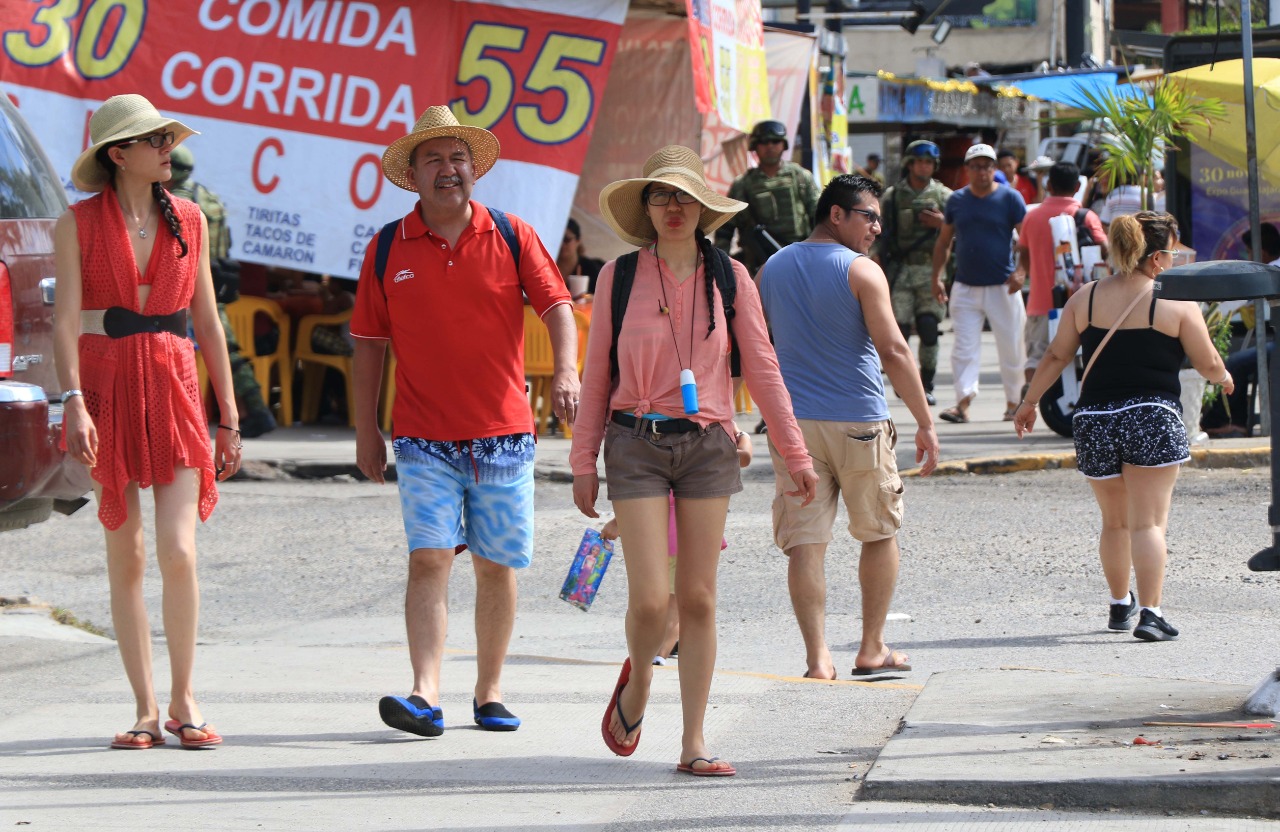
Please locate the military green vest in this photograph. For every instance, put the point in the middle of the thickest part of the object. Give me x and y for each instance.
(214, 212)
(903, 241)
(784, 204)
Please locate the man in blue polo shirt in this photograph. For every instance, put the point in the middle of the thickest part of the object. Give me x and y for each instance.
(981, 218)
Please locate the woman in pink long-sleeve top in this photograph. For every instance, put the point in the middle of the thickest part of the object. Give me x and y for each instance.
(657, 441)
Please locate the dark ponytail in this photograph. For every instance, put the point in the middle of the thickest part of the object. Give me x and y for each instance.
(170, 218)
(709, 262)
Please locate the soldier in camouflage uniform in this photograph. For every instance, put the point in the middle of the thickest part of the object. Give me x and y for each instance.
(781, 198)
(912, 215)
(255, 416)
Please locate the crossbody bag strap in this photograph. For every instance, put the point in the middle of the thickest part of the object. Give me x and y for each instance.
(1133, 303)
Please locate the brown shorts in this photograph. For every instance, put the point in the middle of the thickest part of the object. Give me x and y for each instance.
(854, 460)
(697, 465)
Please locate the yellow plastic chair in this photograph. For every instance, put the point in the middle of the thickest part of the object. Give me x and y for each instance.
(584, 327)
(539, 365)
(203, 384)
(313, 365)
(241, 314)
(388, 392)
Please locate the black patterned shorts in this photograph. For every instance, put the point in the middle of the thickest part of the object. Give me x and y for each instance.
(1146, 431)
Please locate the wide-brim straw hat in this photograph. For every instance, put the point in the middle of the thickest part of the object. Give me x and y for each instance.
(434, 123)
(119, 118)
(676, 166)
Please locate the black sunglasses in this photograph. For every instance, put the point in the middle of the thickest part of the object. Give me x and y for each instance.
(157, 140)
(872, 216)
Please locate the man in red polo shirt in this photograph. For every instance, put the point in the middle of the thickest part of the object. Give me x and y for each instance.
(448, 297)
(1037, 258)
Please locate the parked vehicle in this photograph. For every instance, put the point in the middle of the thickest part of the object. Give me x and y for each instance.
(35, 476)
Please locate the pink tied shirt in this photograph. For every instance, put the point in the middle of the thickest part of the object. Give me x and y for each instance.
(649, 369)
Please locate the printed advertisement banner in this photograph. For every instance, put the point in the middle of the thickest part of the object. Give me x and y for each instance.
(1220, 206)
(726, 42)
(296, 100)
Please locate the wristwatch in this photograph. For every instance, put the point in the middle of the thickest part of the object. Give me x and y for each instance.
(70, 394)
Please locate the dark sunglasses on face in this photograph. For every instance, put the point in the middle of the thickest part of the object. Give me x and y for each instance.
(157, 141)
(659, 198)
(871, 216)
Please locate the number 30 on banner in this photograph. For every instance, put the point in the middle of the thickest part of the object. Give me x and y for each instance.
(93, 59)
(482, 60)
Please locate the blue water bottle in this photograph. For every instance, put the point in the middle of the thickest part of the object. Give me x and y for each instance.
(689, 391)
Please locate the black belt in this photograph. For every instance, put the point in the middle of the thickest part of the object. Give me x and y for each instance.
(629, 420)
(119, 322)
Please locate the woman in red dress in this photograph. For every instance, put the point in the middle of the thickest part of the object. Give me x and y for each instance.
(132, 263)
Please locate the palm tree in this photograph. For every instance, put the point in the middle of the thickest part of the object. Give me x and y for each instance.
(1138, 128)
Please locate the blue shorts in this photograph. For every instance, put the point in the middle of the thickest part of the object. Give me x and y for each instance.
(1145, 431)
(476, 493)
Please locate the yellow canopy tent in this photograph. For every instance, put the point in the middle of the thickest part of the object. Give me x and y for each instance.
(1225, 137)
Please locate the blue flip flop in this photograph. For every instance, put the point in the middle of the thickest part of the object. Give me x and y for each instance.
(411, 714)
(494, 716)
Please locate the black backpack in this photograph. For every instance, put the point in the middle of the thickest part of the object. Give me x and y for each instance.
(624, 277)
(388, 234)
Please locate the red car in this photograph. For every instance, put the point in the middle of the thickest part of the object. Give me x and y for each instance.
(35, 476)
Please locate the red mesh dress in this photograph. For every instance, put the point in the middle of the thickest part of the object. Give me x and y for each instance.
(141, 390)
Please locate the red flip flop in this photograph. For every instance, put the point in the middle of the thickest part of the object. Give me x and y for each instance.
(687, 768)
(176, 728)
(615, 746)
(152, 741)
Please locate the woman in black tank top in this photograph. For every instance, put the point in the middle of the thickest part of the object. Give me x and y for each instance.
(1130, 441)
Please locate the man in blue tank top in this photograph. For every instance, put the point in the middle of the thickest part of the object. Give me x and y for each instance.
(981, 218)
(833, 328)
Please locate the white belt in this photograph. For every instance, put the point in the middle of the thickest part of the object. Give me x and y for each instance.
(91, 321)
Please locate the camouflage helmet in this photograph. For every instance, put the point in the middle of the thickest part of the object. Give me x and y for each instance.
(922, 149)
(769, 130)
(181, 162)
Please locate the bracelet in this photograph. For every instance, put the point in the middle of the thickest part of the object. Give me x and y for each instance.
(236, 431)
(1226, 374)
(1033, 405)
(70, 394)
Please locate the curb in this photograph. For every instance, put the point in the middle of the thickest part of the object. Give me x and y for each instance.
(1257, 457)
(267, 470)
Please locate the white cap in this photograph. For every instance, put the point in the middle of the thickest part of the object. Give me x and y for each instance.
(980, 151)
(1042, 163)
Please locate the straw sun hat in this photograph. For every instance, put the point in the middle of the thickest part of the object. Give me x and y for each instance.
(673, 165)
(119, 118)
(436, 122)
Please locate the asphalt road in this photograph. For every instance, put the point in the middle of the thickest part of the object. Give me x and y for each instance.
(997, 571)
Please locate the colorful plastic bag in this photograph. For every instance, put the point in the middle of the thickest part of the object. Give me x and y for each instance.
(587, 570)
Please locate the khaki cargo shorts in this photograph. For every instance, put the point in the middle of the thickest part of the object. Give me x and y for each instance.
(1036, 335)
(853, 460)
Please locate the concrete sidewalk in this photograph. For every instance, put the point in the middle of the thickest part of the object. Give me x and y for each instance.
(1078, 740)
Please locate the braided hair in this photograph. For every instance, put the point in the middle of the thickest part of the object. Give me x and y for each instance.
(710, 265)
(158, 192)
(170, 218)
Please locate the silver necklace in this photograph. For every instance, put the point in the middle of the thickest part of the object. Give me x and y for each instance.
(142, 227)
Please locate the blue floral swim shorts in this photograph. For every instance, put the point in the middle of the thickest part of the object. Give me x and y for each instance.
(477, 493)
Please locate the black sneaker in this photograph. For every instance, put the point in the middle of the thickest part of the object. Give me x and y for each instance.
(930, 398)
(1121, 617)
(1152, 627)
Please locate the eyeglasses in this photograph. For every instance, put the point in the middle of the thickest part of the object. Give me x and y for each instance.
(659, 198)
(871, 216)
(770, 141)
(157, 141)
(1169, 251)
